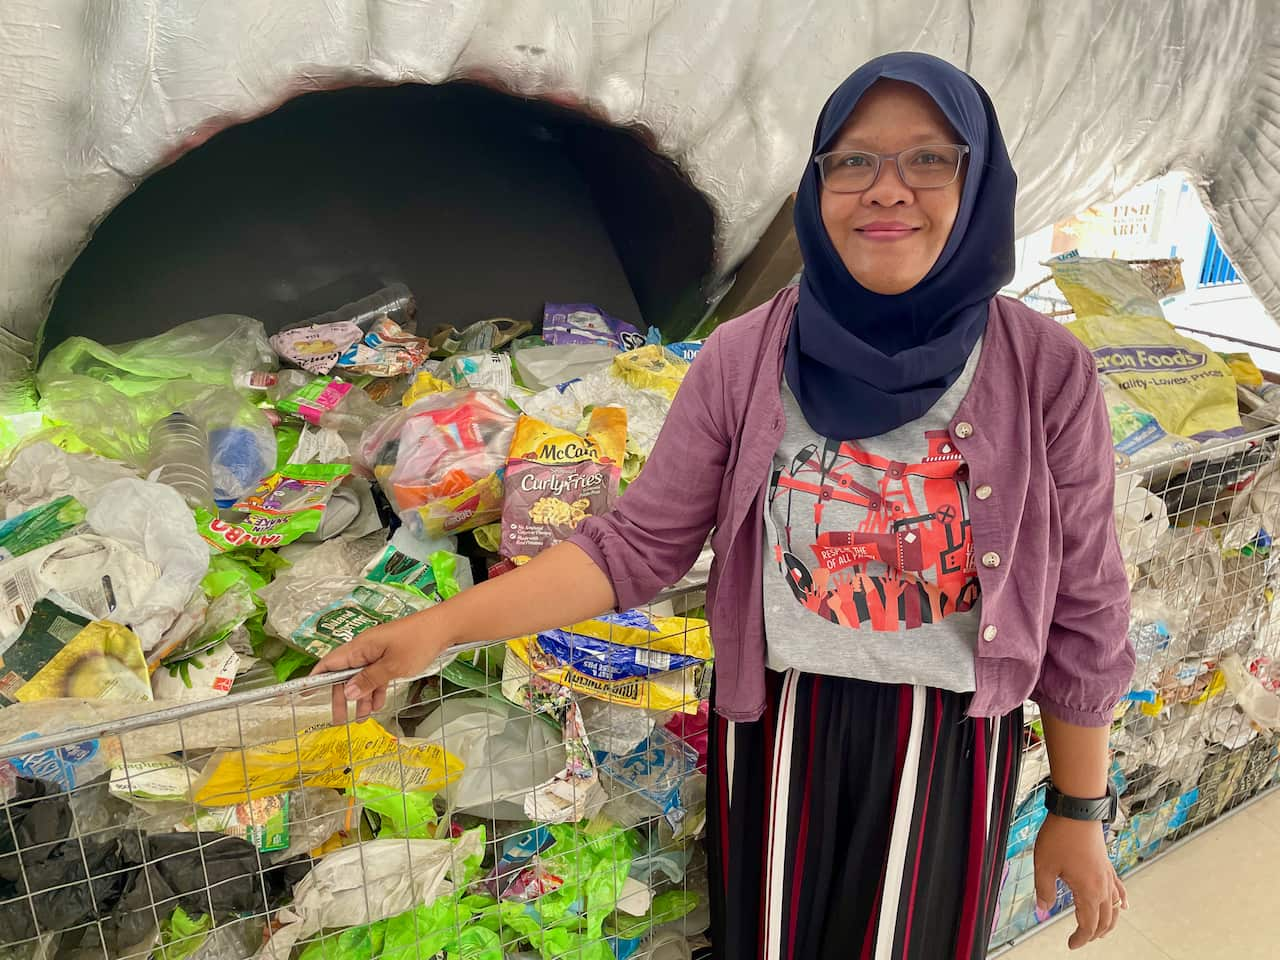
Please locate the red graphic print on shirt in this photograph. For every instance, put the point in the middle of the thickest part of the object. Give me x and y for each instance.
(892, 552)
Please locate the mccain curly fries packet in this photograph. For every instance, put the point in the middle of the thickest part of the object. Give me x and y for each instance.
(555, 479)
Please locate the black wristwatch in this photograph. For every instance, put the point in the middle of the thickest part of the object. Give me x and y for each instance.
(1103, 809)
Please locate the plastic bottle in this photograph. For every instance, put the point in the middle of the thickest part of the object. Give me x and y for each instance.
(394, 300)
(179, 457)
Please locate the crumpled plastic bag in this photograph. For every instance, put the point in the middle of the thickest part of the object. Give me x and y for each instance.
(41, 857)
(214, 350)
(42, 471)
(546, 366)
(1259, 704)
(110, 397)
(507, 752)
(1141, 520)
(79, 762)
(154, 520)
(620, 384)
(441, 460)
(373, 881)
(363, 752)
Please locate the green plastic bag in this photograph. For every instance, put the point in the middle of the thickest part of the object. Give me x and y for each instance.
(182, 935)
(110, 397)
(406, 814)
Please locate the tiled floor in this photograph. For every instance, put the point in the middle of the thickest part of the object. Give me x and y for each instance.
(1214, 897)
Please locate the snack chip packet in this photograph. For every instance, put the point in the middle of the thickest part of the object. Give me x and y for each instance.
(386, 351)
(286, 505)
(684, 636)
(342, 757)
(49, 628)
(586, 323)
(314, 400)
(527, 665)
(340, 622)
(316, 348)
(435, 578)
(104, 661)
(555, 479)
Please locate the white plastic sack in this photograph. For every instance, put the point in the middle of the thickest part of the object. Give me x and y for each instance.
(42, 472)
(543, 367)
(371, 881)
(154, 520)
(103, 577)
(1141, 520)
(506, 752)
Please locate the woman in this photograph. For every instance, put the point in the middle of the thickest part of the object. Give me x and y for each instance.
(908, 485)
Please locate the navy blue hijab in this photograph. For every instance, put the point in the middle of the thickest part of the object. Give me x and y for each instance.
(861, 363)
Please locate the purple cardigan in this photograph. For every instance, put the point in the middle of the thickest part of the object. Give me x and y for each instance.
(1034, 428)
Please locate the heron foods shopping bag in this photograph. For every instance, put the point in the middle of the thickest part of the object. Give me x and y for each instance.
(1187, 387)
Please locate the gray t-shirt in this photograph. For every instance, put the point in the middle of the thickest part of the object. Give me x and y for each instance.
(869, 567)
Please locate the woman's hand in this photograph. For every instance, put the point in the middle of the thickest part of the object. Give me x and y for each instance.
(1076, 851)
(402, 648)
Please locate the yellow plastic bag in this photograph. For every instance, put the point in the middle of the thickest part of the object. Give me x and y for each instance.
(1243, 369)
(341, 757)
(651, 368)
(425, 384)
(1185, 385)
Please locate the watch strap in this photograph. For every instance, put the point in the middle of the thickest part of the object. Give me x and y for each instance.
(1101, 809)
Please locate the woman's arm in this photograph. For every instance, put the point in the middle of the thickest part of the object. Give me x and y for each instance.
(1076, 850)
(1088, 664)
(559, 586)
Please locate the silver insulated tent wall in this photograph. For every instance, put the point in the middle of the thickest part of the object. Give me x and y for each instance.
(166, 159)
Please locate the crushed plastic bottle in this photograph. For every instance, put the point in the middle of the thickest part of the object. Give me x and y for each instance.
(179, 457)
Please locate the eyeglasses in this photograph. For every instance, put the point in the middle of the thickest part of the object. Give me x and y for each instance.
(921, 168)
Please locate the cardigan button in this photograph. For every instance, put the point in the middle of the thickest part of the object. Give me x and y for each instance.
(990, 633)
(983, 492)
(991, 560)
(964, 430)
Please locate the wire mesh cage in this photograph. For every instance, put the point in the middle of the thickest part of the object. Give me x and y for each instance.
(1196, 736)
(538, 798)
(545, 797)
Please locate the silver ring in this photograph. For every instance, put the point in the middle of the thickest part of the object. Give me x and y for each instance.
(1117, 904)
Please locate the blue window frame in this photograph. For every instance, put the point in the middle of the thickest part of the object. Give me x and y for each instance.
(1217, 270)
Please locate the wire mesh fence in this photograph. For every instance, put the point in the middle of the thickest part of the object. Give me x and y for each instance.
(1196, 736)
(545, 797)
(539, 798)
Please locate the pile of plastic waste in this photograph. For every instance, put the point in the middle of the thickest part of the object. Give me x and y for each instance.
(207, 512)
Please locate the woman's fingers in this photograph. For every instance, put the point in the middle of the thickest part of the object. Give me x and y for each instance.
(1086, 923)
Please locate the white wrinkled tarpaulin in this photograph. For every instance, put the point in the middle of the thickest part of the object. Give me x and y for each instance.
(1095, 96)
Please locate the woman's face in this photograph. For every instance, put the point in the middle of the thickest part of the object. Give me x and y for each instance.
(889, 235)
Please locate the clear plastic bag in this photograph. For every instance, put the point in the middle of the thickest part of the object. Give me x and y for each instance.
(110, 397)
(441, 460)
